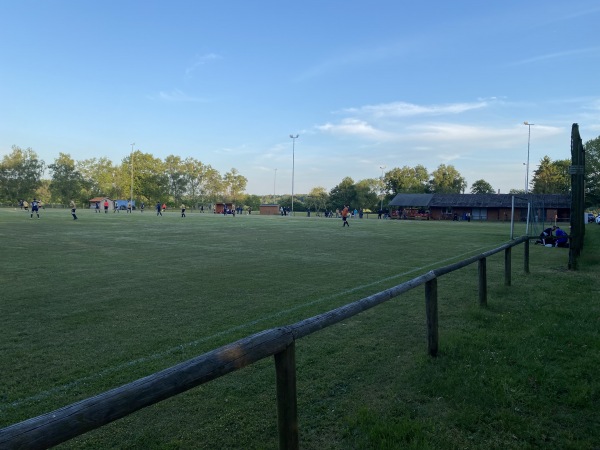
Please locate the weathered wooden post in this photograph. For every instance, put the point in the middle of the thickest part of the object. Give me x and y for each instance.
(431, 311)
(577, 171)
(507, 266)
(526, 256)
(287, 407)
(482, 270)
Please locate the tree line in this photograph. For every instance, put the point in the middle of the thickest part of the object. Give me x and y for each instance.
(23, 175)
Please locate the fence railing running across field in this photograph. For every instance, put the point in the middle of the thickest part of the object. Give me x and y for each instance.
(78, 418)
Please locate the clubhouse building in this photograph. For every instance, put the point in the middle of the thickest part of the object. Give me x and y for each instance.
(491, 207)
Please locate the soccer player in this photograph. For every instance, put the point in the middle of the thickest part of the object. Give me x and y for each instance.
(345, 213)
(73, 209)
(182, 210)
(35, 208)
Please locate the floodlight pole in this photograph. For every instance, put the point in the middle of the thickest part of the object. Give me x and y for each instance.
(274, 184)
(131, 190)
(528, 143)
(382, 169)
(293, 165)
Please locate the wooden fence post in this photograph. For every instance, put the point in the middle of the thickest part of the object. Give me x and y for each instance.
(526, 257)
(507, 266)
(482, 269)
(287, 407)
(431, 311)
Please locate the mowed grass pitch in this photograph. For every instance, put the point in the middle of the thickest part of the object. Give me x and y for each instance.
(91, 304)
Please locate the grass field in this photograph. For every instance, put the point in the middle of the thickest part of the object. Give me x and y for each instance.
(91, 304)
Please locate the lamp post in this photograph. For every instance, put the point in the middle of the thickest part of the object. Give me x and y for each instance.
(382, 169)
(527, 169)
(274, 184)
(131, 190)
(293, 164)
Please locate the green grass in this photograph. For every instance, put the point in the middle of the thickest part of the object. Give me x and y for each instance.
(91, 304)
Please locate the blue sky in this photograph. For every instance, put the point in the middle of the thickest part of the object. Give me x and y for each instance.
(364, 84)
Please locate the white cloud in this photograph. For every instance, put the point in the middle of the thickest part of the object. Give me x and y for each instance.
(177, 95)
(200, 61)
(457, 132)
(556, 55)
(403, 109)
(356, 57)
(355, 127)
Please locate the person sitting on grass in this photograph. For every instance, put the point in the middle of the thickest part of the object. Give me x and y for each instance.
(546, 237)
(562, 238)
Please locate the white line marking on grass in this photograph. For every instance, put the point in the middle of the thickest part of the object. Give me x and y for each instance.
(102, 373)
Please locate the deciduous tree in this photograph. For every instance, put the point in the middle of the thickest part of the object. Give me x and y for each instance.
(317, 199)
(150, 180)
(20, 174)
(177, 176)
(343, 194)
(366, 193)
(100, 177)
(482, 187)
(447, 180)
(592, 172)
(235, 184)
(67, 182)
(551, 177)
(407, 179)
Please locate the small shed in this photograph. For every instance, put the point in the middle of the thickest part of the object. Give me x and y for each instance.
(269, 210)
(99, 200)
(222, 208)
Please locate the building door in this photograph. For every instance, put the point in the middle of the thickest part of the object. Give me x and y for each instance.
(479, 214)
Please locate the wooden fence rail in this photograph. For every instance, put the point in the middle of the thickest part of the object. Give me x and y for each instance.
(76, 419)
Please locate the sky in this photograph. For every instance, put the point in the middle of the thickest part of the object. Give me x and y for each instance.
(368, 86)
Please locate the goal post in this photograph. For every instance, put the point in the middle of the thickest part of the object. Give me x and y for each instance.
(532, 212)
